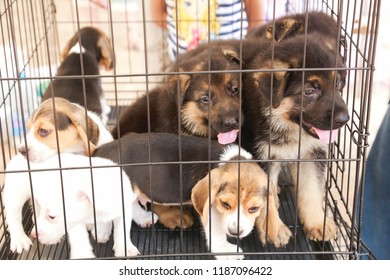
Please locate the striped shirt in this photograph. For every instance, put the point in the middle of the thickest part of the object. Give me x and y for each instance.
(191, 22)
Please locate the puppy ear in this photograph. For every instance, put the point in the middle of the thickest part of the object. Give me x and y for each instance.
(178, 85)
(202, 194)
(273, 82)
(83, 196)
(284, 28)
(106, 51)
(76, 114)
(231, 55)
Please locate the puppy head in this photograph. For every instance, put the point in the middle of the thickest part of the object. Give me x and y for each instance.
(314, 94)
(71, 126)
(50, 222)
(227, 192)
(210, 99)
(96, 43)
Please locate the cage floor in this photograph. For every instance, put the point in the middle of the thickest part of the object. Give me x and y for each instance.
(158, 242)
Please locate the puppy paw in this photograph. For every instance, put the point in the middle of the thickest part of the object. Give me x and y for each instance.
(103, 232)
(231, 249)
(279, 238)
(146, 219)
(131, 251)
(81, 254)
(317, 233)
(20, 242)
(175, 220)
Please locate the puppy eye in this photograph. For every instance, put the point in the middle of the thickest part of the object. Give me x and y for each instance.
(225, 205)
(43, 132)
(253, 209)
(204, 99)
(51, 218)
(310, 91)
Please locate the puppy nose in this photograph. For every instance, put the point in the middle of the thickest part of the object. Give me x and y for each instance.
(231, 122)
(23, 150)
(341, 119)
(234, 231)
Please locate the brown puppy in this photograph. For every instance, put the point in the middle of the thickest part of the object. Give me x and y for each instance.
(293, 25)
(77, 133)
(218, 196)
(95, 48)
(293, 114)
(205, 104)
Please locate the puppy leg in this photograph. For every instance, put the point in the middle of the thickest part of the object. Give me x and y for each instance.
(103, 231)
(142, 217)
(122, 226)
(80, 246)
(219, 243)
(272, 229)
(171, 217)
(15, 195)
(310, 202)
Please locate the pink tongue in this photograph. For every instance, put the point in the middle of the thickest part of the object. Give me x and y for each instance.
(227, 137)
(327, 136)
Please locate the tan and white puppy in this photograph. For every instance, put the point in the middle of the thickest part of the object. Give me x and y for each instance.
(86, 202)
(61, 126)
(232, 210)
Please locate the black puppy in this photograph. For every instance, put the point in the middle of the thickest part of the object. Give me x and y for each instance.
(95, 51)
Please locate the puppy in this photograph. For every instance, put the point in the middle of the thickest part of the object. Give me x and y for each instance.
(233, 211)
(78, 131)
(205, 104)
(293, 25)
(168, 183)
(68, 201)
(294, 115)
(88, 49)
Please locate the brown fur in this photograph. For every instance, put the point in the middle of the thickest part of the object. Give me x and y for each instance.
(200, 101)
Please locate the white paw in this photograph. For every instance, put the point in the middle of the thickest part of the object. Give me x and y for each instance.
(229, 248)
(20, 242)
(103, 232)
(81, 254)
(146, 219)
(131, 251)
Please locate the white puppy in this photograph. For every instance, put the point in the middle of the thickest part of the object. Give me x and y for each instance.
(69, 199)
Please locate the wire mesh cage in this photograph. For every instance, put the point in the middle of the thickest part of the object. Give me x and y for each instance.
(33, 34)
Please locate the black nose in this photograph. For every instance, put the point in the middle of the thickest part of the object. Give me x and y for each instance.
(341, 119)
(230, 123)
(23, 150)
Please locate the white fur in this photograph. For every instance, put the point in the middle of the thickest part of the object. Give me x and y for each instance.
(232, 151)
(76, 49)
(109, 192)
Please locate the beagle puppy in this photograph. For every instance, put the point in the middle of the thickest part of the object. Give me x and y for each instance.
(85, 52)
(77, 196)
(58, 125)
(226, 210)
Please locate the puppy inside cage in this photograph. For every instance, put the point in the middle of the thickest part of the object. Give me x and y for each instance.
(228, 147)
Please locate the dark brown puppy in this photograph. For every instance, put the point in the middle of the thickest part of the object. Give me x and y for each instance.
(292, 114)
(163, 183)
(95, 51)
(298, 24)
(207, 104)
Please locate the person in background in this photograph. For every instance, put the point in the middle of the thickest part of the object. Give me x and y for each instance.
(191, 22)
(376, 197)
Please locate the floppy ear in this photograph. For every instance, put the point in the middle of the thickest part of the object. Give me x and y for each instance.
(269, 82)
(68, 46)
(178, 85)
(76, 114)
(202, 194)
(106, 51)
(231, 55)
(284, 28)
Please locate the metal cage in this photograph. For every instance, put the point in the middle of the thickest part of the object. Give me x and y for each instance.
(32, 36)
